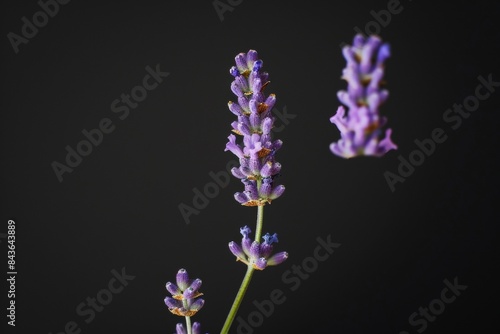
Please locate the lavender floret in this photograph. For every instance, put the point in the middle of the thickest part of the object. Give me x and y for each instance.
(256, 254)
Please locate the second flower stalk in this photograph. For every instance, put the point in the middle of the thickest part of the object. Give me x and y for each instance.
(258, 168)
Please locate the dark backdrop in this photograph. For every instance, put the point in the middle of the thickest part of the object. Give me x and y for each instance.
(119, 208)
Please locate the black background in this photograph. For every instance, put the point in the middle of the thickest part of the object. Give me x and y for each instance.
(119, 207)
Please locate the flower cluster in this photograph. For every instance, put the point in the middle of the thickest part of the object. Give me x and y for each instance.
(185, 299)
(361, 128)
(256, 254)
(258, 167)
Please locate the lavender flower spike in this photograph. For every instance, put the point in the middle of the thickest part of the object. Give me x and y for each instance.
(255, 254)
(258, 167)
(361, 128)
(184, 301)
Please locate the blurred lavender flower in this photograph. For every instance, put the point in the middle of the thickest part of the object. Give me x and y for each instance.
(258, 167)
(196, 328)
(184, 301)
(256, 254)
(361, 128)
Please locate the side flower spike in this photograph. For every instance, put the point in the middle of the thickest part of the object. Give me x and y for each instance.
(361, 127)
(185, 299)
(255, 254)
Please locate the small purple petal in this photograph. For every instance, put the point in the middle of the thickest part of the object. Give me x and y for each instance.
(270, 239)
(236, 89)
(277, 192)
(386, 144)
(257, 65)
(266, 187)
(270, 168)
(180, 329)
(270, 101)
(190, 293)
(197, 304)
(253, 105)
(243, 102)
(244, 129)
(261, 263)
(277, 258)
(266, 250)
(236, 250)
(258, 96)
(251, 189)
(196, 284)
(173, 289)
(172, 303)
(252, 195)
(383, 53)
(245, 231)
(252, 57)
(234, 71)
(267, 125)
(238, 173)
(196, 328)
(256, 85)
(254, 120)
(241, 62)
(255, 250)
(276, 145)
(241, 198)
(255, 165)
(235, 108)
(182, 279)
(233, 147)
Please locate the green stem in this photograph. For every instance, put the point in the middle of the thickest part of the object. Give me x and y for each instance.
(188, 325)
(260, 221)
(246, 278)
(238, 300)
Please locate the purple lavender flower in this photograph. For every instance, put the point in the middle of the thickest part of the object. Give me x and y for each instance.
(361, 128)
(256, 254)
(196, 328)
(184, 301)
(258, 167)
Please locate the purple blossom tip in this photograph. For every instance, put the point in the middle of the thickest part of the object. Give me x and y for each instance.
(179, 328)
(172, 303)
(234, 71)
(236, 250)
(269, 239)
(173, 289)
(182, 279)
(196, 328)
(277, 258)
(241, 198)
(196, 285)
(257, 65)
(245, 231)
(277, 192)
(197, 304)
